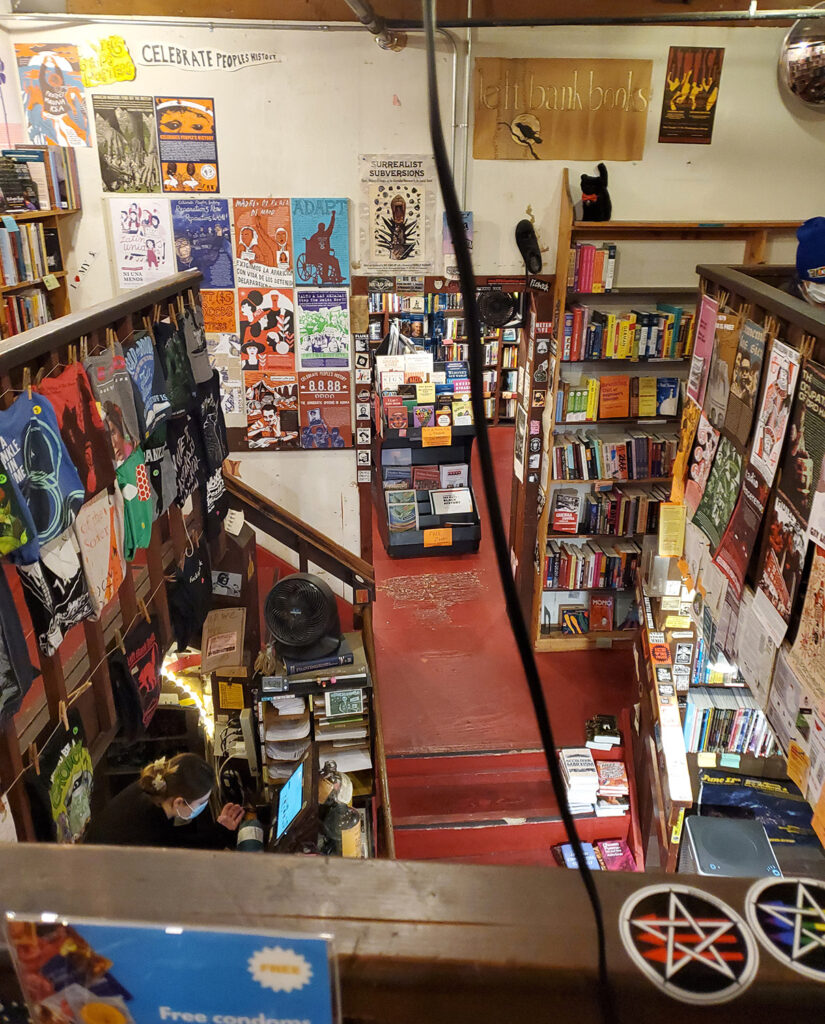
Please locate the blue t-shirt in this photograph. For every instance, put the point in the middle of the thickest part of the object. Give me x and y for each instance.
(38, 461)
(144, 368)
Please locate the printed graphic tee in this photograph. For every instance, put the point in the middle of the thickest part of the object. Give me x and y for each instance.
(183, 438)
(38, 462)
(18, 537)
(213, 427)
(16, 672)
(61, 795)
(55, 591)
(81, 427)
(196, 348)
(144, 366)
(180, 384)
(190, 597)
(100, 553)
(136, 679)
(161, 470)
(112, 388)
(138, 503)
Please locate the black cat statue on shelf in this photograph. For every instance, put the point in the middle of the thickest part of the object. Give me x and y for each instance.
(596, 203)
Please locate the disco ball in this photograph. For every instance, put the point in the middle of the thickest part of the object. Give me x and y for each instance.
(802, 61)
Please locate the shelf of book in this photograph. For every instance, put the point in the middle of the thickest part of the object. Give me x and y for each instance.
(592, 536)
(585, 590)
(59, 274)
(555, 640)
(610, 481)
(640, 289)
(652, 421)
(23, 215)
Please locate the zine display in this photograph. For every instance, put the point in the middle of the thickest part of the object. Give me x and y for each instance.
(188, 149)
(807, 655)
(805, 450)
(263, 243)
(320, 241)
(127, 143)
(203, 240)
(52, 93)
(744, 385)
(701, 459)
(142, 237)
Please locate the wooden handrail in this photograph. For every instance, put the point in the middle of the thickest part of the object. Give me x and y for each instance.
(311, 544)
(745, 282)
(382, 780)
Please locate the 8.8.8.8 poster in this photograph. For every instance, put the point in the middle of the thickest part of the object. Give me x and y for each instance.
(691, 93)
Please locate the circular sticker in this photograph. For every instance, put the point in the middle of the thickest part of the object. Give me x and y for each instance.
(788, 916)
(36, 410)
(691, 945)
(207, 172)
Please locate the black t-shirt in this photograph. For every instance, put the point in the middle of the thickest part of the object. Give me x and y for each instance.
(133, 819)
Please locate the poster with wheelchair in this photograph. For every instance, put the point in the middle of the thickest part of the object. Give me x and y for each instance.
(320, 241)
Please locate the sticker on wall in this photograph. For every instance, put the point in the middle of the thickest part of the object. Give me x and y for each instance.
(691, 945)
(397, 214)
(105, 61)
(185, 58)
(219, 311)
(323, 328)
(788, 917)
(364, 476)
(447, 247)
(691, 94)
(325, 411)
(53, 96)
(203, 240)
(127, 143)
(267, 329)
(188, 147)
(271, 410)
(263, 243)
(142, 236)
(320, 241)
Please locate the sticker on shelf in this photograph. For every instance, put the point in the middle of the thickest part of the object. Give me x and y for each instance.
(364, 476)
(788, 917)
(363, 457)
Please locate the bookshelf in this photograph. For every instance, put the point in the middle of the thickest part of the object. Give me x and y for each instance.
(671, 360)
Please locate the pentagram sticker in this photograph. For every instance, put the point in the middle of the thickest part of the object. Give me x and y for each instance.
(788, 916)
(691, 945)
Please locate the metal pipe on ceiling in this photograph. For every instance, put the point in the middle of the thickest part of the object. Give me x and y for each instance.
(373, 22)
(690, 18)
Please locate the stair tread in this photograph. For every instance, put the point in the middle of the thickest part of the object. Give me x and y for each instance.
(466, 799)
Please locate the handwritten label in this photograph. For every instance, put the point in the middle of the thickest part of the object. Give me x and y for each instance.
(729, 760)
(440, 538)
(705, 759)
(51, 282)
(9, 223)
(231, 695)
(436, 437)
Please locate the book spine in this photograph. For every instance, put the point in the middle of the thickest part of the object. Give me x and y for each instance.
(294, 668)
(610, 269)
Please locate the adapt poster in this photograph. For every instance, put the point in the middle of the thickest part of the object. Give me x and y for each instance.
(397, 214)
(271, 410)
(127, 145)
(121, 974)
(142, 240)
(203, 239)
(267, 329)
(188, 146)
(774, 412)
(326, 412)
(54, 100)
(219, 314)
(323, 328)
(320, 241)
(691, 93)
(263, 243)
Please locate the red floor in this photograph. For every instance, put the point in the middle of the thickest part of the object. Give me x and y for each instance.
(451, 682)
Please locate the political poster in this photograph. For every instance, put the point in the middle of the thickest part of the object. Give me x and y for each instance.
(54, 100)
(267, 329)
(271, 410)
(323, 328)
(142, 240)
(203, 239)
(320, 241)
(325, 409)
(127, 144)
(263, 243)
(188, 146)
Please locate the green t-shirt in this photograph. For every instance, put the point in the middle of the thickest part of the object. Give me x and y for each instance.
(138, 503)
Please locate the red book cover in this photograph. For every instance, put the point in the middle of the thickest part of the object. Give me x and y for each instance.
(601, 613)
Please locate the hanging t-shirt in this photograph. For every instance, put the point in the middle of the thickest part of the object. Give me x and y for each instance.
(215, 504)
(100, 552)
(183, 439)
(35, 456)
(61, 795)
(55, 591)
(16, 672)
(112, 388)
(195, 338)
(190, 597)
(213, 427)
(81, 427)
(180, 384)
(138, 502)
(136, 679)
(144, 366)
(18, 537)
(161, 470)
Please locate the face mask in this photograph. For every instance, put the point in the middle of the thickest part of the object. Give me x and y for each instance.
(195, 811)
(814, 292)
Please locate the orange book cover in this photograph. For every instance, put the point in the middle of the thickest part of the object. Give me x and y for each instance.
(614, 397)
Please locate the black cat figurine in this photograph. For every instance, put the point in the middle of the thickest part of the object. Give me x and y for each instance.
(596, 203)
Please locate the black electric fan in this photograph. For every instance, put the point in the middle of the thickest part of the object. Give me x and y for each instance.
(500, 309)
(302, 616)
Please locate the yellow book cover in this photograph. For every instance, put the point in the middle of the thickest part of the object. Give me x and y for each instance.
(630, 346)
(609, 349)
(647, 396)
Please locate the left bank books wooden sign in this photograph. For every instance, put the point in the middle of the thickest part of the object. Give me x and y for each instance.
(560, 109)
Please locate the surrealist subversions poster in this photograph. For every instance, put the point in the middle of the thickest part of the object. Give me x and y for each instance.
(54, 99)
(142, 238)
(127, 143)
(263, 243)
(397, 214)
(203, 239)
(320, 241)
(188, 147)
(691, 93)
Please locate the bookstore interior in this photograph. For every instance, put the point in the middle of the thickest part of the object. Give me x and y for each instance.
(454, 498)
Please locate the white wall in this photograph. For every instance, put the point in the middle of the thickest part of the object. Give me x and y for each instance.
(297, 127)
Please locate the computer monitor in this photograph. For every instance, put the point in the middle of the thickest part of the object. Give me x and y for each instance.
(292, 806)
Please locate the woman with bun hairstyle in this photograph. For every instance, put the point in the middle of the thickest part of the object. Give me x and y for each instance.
(164, 808)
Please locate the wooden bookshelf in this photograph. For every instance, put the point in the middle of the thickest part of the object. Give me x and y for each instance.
(753, 234)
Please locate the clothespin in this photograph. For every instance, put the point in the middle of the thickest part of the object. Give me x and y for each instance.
(179, 300)
(190, 296)
(144, 611)
(27, 381)
(147, 323)
(63, 714)
(119, 641)
(84, 347)
(34, 757)
(72, 355)
(41, 373)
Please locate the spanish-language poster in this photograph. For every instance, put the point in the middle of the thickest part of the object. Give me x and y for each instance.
(326, 413)
(271, 410)
(263, 243)
(203, 239)
(722, 489)
(323, 329)
(54, 100)
(397, 214)
(142, 237)
(267, 329)
(127, 145)
(774, 412)
(188, 147)
(218, 308)
(320, 241)
(691, 93)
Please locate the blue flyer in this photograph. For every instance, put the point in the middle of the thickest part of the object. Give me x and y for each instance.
(95, 973)
(203, 240)
(320, 241)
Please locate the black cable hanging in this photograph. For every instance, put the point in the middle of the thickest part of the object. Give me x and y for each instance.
(517, 623)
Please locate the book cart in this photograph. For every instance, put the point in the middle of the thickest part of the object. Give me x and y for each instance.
(548, 603)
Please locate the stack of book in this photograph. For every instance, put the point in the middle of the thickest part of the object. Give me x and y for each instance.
(436, 301)
(727, 721)
(591, 566)
(28, 253)
(26, 309)
(567, 859)
(632, 455)
(594, 334)
(591, 268)
(392, 302)
(617, 397)
(581, 780)
(602, 732)
(607, 855)
(613, 796)
(490, 351)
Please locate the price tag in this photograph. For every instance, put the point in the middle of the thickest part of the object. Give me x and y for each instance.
(10, 224)
(705, 759)
(51, 282)
(676, 831)
(729, 760)
(436, 437)
(440, 538)
(424, 393)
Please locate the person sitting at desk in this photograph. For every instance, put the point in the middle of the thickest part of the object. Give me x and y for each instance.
(162, 809)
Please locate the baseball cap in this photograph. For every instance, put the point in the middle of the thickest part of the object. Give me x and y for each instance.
(810, 252)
